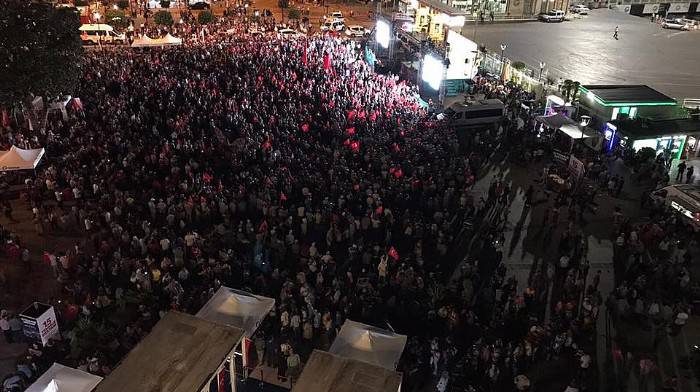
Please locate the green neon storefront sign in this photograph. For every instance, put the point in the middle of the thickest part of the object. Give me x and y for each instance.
(621, 104)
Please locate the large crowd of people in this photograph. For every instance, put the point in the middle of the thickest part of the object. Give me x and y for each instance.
(289, 169)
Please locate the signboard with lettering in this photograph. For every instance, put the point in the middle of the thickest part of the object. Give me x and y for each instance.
(39, 323)
(651, 9)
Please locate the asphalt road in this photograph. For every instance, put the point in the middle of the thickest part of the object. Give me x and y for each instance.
(585, 50)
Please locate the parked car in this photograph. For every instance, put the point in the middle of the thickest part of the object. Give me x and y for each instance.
(553, 16)
(333, 25)
(580, 9)
(288, 33)
(683, 198)
(95, 33)
(674, 24)
(356, 31)
(198, 5)
(337, 15)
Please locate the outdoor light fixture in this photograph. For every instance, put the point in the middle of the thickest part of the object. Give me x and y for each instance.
(383, 33)
(432, 70)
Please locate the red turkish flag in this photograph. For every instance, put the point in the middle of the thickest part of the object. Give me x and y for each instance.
(221, 381)
(326, 61)
(305, 128)
(351, 131)
(393, 253)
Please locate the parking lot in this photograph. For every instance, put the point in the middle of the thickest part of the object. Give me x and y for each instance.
(585, 50)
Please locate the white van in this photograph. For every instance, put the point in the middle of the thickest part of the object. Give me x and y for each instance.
(553, 16)
(95, 33)
(474, 112)
(683, 198)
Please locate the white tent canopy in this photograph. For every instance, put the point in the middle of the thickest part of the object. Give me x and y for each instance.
(19, 159)
(237, 308)
(61, 378)
(147, 42)
(369, 344)
(170, 40)
(142, 42)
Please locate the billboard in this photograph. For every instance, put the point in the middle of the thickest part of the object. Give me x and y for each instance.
(679, 8)
(383, 33)
(432, 70)
(462, 56)
(39, 322)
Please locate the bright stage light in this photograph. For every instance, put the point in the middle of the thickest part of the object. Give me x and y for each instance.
(432, 71)
(383, 31)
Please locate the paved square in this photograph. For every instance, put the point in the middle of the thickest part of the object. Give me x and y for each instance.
(585, 50)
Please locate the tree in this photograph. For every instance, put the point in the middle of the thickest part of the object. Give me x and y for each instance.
(519, 65)
(574, 92)
(163, 18)
(566, 89)
(206, 17)
(40, 51)
(117, 18)
(294, 13)
(283, 4)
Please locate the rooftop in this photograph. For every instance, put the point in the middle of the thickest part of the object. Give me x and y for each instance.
(443, 7)
(626, 95)
(644, 129)
(179, 355)
(326, 372)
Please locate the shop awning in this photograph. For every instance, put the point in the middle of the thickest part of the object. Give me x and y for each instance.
(181, 354)
(369, 344)
(237, 308)
(61, 378)
(442, 7)
(555, 121)
(326, 372)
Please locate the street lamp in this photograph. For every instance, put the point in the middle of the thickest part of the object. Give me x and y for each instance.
(96, 15)
(542, 65)
(503, 49)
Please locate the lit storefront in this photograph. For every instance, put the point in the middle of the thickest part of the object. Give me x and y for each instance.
(677, 139)
(433, 18)
(637, 117)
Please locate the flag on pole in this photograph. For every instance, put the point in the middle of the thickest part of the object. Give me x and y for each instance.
(393, 253)
(305, 54)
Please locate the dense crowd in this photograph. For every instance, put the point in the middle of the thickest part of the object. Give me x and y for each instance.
(289, 169)
(283, 167)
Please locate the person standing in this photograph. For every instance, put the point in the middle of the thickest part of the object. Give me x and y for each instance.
(617, 31)
(681, 170)
(689, 174)
(5, 326)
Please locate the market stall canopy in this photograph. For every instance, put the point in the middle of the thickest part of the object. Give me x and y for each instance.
(19, 159)
(142, 42)
(146, 41)
(237, 308)
(555, 121)
(369, 344)
(61, 378)
(170, 40)
(95, 26)
(181, 354)
(326, 372)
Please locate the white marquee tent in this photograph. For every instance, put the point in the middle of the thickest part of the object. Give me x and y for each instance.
(148, 42)
(237, 308)
(19, 159)
(369, 344)
(61, 378)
